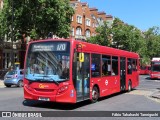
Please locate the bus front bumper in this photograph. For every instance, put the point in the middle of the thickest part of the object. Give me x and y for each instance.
(154, 76)
(67, 97)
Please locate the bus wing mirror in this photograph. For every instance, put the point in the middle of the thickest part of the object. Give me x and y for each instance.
(81, 57)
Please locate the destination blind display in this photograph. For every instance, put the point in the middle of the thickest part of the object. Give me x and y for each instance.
(49, 46)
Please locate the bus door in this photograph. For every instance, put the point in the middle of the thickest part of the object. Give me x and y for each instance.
(122, 73)
(83, 78)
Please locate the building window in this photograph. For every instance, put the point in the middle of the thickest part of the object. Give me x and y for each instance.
(79, 19)
(72, 18)
(93, 16)
(72, 31)
(78, 31)
(88, 22)
(88, 33)
(93, 25)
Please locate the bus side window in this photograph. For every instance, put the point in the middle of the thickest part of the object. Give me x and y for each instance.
(95, 66)
(114, 67)
(106, 65)
(129, 66)
(134, 65)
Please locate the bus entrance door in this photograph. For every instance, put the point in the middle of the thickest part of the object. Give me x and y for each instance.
(83, 78)
(122, 73)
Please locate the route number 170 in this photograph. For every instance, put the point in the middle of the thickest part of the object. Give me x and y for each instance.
(61, 47)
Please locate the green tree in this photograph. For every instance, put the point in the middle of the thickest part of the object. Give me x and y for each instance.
(103, 36)
(37, 18)
(4, 28)
(152, 39)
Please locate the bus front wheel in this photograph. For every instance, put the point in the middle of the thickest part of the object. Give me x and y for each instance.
(95, 94)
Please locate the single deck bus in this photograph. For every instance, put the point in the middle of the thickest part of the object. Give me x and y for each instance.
(145, 69)
(70, 71)
(155, 68)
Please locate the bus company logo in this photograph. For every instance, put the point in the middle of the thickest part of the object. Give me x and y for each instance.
(106, 82)
(43, 86)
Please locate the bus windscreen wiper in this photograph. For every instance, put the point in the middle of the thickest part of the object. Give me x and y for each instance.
(30, 80)
(43, 80)
(51, 79)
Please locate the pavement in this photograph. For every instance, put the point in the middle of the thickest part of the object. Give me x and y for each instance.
(156, 94)
(1, 84)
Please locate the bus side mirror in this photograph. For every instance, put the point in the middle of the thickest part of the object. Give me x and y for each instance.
(81, 57)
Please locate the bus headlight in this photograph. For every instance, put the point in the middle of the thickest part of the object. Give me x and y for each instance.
(62, 89)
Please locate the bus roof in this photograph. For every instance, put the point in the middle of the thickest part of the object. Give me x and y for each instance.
(95, 48)
(156, 59)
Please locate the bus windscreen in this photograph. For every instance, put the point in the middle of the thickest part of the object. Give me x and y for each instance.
(48, 61)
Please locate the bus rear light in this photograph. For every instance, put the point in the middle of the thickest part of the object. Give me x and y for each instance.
(62, 89)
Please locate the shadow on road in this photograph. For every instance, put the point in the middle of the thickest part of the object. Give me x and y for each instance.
(114, 95)
(53, 105)
(149, 79)
(65, 106)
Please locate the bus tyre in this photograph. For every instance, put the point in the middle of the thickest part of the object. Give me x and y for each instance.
(95, 94)
(129, 86)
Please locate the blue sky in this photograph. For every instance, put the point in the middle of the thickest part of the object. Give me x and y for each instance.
(143, 14)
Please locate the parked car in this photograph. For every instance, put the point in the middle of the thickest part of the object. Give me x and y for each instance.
(14, 77)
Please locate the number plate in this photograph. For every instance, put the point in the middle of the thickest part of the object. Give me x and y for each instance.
(44, 99)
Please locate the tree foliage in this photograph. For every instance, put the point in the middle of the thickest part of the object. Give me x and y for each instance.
(37, 18)
(152, 40)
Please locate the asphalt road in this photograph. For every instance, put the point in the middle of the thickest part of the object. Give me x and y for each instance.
(11, 99)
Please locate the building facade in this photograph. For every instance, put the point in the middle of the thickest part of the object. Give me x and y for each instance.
(85, 20)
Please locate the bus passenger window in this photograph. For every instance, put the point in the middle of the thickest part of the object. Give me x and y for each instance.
(114, 65)
(134, 65)
(95, 66)
(106, 65)
(129, 66)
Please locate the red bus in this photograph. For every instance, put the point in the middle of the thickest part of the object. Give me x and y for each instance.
(155, 68)
(145, 69)
(70, 71)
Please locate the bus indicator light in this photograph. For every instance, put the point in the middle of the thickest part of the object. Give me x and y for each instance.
(72, 93)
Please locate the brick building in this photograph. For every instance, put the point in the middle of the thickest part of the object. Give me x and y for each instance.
(86, 20)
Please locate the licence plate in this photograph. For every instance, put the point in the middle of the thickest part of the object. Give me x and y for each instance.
(44, 99)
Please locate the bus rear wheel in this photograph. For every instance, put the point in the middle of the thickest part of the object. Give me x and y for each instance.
(95, 94)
